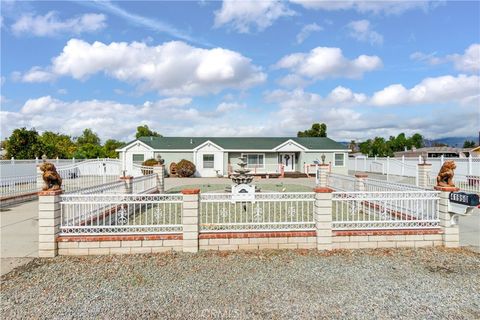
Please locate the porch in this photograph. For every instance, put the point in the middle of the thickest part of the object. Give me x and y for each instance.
(272, 164)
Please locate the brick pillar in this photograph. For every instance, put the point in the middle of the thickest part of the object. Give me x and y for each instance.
(48, 222)
(323, 173)
(323, 217)
(160, 171)
(128, 183)
(451, 237)
(423, 170)
(40, 182)
(190, 219)
(360, 181)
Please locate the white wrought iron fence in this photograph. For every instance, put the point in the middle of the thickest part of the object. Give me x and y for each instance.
(341, 182)
(467, 183)
(15, 186)
(267, 212)
(115, 187)
(120, 214)
(385, 210)
(139, 170)
(383, 185)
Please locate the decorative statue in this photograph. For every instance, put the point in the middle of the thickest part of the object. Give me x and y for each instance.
(50, 176)
(445, 176)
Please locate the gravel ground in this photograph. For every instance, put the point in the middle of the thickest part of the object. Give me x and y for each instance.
(361, 284)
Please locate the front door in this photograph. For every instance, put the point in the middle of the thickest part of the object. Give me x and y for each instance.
(288, 161)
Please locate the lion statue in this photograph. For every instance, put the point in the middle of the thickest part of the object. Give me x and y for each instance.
(445, 176)
(50, 176)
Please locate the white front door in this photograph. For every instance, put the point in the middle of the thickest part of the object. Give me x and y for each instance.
(288, 161)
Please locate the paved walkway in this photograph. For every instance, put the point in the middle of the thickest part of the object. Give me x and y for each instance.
(19, 235)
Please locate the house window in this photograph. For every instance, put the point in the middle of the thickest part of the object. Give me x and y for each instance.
(255, 160)
(138, 158)
(339, 159)
(208, 161)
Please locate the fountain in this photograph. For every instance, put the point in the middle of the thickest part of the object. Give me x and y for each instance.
(242, 189)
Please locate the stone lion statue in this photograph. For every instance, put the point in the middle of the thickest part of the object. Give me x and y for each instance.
(445, 176)
(50, 176)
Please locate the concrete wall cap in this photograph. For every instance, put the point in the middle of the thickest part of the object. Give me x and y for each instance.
(190, 191)
(446, 189)
(323, 190)
(50, 193)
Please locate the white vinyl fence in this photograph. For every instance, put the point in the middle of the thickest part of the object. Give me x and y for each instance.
(268, 211)
(16, 186)
(385, 210)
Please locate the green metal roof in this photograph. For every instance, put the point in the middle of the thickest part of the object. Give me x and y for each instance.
(239, 143)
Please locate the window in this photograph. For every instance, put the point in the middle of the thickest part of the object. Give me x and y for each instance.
(254, 160)
(208, 161)
(339, 159)
(138, 158)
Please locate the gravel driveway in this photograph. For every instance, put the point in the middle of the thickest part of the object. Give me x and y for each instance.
(362, 284)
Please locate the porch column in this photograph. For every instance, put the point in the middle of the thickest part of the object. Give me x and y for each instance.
(48, 223)
(451, 235)
(323, 217)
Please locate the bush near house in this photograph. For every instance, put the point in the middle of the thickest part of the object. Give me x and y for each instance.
(185, 168)
(149, 163)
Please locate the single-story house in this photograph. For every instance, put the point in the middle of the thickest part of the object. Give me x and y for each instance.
(219, 155)
(434, 152)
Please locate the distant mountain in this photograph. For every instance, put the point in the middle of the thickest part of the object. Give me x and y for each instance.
(451, 141)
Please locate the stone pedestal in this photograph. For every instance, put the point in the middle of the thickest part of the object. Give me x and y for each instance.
(190, 219)
(48, 222)
(323, 174)
(128, 184)
(424, 171)
(159, 169)
(323, 217)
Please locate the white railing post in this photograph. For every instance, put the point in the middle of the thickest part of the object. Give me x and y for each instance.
(12, 160)
(36, 160)
(442, 160)
(73, 160)
(323, 217)
(323, 173)
(40, 182)
(48, 222)
(403, 166)
(388, 168)
(355, 164)
(470, 164)
(159, 169)
(451, 235)
(56, 161)
(190, 219)
(420, 159)
(128, 184)
(360, 181)
(365, 164)
(423, 174)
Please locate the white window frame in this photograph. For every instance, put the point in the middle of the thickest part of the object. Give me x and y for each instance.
(209, 161)
(335, 161)
(138, 154)
(257, 154)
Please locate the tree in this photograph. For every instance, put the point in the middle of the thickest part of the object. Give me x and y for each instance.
(317, 130)
(110, 146)
(417, 140)
(24, 144)
(57, 145)
(469, 144)
(88, 146)
(144, 131)
(88, 137)
(352, 146)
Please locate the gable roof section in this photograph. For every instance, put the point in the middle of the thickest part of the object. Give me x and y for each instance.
(238, 143)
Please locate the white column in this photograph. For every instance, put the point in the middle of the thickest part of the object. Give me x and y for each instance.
(451, 238)
(160, 171)
(323, 217)
(323, 174)
(48, 222)
(360, 181)
(423, 174)
(40, 182)
(190, 219)
(128, 184)
(470, 164)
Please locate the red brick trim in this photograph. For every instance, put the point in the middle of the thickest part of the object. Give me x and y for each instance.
(361, 175)
(446, 189)
(50, 193)
(190, 191)
(126, 177)
(323, 190)
(343, 233)
(424, 164)
(175, 236)
(19, 196)
(273, 234)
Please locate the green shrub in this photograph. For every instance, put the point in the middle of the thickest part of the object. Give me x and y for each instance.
(185, 168)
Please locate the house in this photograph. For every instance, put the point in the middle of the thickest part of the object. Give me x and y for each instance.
(219, 156)
(475, 152)
(434, 152)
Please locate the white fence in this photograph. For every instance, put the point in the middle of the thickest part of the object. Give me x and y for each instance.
(465, 183)
(385, 210)
(120, 214)
(15, 186)
(145, 184)
(269, 211)
(17, 168)
(341, 182)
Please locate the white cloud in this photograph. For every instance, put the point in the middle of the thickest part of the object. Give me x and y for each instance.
(230, 106)
(50, 24)
(35, 74)
(242, 15)
(173, 68)
(438, 90)
(362, 31)
(306, 31)
(469, 61)
(375, 7)
(324, 62)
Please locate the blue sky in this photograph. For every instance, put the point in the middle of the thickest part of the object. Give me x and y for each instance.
(241, 68)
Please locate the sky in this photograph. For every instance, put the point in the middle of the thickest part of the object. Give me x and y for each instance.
(241, 68)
